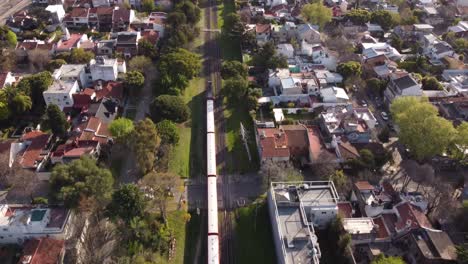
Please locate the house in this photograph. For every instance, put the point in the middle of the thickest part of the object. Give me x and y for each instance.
(273, 3)
(283, 33)
(326, 78)
(322, 56)
(22, 222)
(108, 110)
(122, 18)
(157, 20)
(31, 152)
(453, 108)
(78, 17)
(97, 3)
(262, 33)
(428, 246)
(290, 86)
(43, 251)
(93, 129)
(105, 69)
(460, 29)
(70, 41)
(286, 50)
(431, 16)
(69, 152)
(101, 18)
(440, 49)
(275, 76)
(374, 29)
(379, 66)
(127, 43)
(60, 93)
(57, 12)
(108, 89)
(306, 32)
(370, 50)
(6, 78)
(334, 95)
(106, 47)
(401, 84)
(20, 21)
(29, 46)
(457, 79)
(73, 72)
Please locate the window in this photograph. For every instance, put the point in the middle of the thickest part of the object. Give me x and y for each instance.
(324, 212)
(67, 103)
(65, 97)
(1, 237)
(5, 229)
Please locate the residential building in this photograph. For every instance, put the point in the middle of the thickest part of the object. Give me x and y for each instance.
(291, 86)
(370, 50)
(283, 33)
(57, 12)
(93, 129)
(453, 108)
(306, 32)
(61, 93)
(431, 16)
(78, 17)
(6, 78)
(127, 43)
(97, 3)
(334, 95)
(428, 246)
(19, 223)
(108, 110)
(69, 152)
(105, 69)
(295, 210)
(457, 79)
(73, 72)
(31, 152)
(106, 47)
(287, 50)
(440, 49)
(122, 18)
(29, 46)
(70, 41)
(101, 18)
(262, 33)
(43, 251)
(401, 85)
(460, 29)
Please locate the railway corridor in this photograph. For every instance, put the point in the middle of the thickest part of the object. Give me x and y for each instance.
(212, 55)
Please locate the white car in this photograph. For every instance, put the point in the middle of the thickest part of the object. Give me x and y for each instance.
(384, 116)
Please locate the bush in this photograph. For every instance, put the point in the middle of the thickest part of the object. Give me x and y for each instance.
(169, 107)
(40, 200)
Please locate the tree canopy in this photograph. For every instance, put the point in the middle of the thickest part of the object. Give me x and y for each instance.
(13, 102)
(421, 129)
(233, 26)
(79, 55)
(147, 6)
(140, 63)
(235, 89)
(147, 49)
(134, 80)
(81, 178)
(55, 120)
(233, 68)
(317, 14)
(33, 86)
(383, 18)
(121, 128)
(176, 69)
(127, 203)
(350, 68)
(190, 10)
(145, 142)
(358, 16)
(267, 58)
(431, 83)
(169, 107)
(168, 132)
(382, 259)
(7, 38)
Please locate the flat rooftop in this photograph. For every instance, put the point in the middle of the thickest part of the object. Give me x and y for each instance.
(59, 86)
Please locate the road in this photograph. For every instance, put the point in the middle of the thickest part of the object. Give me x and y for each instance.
(9, 7)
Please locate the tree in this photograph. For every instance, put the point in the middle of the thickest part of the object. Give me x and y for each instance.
(462, 254)
(341, 181)
(420, 127)
(267, 58)
(233, 26)
(79, 55)
(55, 64)
(7, 38)
(176, 68)
(158, 186)
(134, 81)
(232, 68)
(81, 178)
(147, 6)
(382, 259)
(20, 103)
(397, 42)
(461, 45)
(383, 18)
(55, 120)
(33, 86)
(235, 89)
(459, 148)
(376, 86)
(121, 128)
(431, 83)
(147, 49)
(316, 14)
(140, 63)
(348, 69)
(168, 132)
(384, 135)
(358, 16)
(190, 10)
(278, 171)
(8, 60)
(169, 107)
(145, 142)
(127, 203)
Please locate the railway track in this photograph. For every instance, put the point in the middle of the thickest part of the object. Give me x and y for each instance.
(213, 68)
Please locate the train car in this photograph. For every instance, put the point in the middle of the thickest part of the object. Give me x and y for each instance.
(212, 193)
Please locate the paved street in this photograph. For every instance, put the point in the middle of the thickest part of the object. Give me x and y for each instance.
(9, 7)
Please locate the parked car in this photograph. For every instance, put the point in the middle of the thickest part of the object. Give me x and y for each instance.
(384, 116)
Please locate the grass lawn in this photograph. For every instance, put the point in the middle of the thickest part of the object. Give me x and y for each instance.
(254, 238)
(302, 116)
(186, 157)
(177, 223)
(235, 145)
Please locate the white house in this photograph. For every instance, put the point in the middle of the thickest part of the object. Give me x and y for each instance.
(370, 50)
(60, 93)
(440, 49)
(105, 69)
(73, 72)
(273, 3)
(334, 95)
(286, 50)
(97, 3)
(262, 33)
(57, 12)
(399, 86)
(308, 33)
(19, 223)
(457, 79)
(326, 77)
(275, 76)
(291, 86)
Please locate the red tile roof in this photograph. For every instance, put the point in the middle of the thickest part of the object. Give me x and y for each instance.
(70, 43)
(262, 28)
(411, 217)
(81, 100)
(32, 153)
(110, 89)
(42, 251)
(150, 35)
(345, 209)
(121, 15)
(382, 231)
(274, 144)
(79, 12)
(364, 186)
